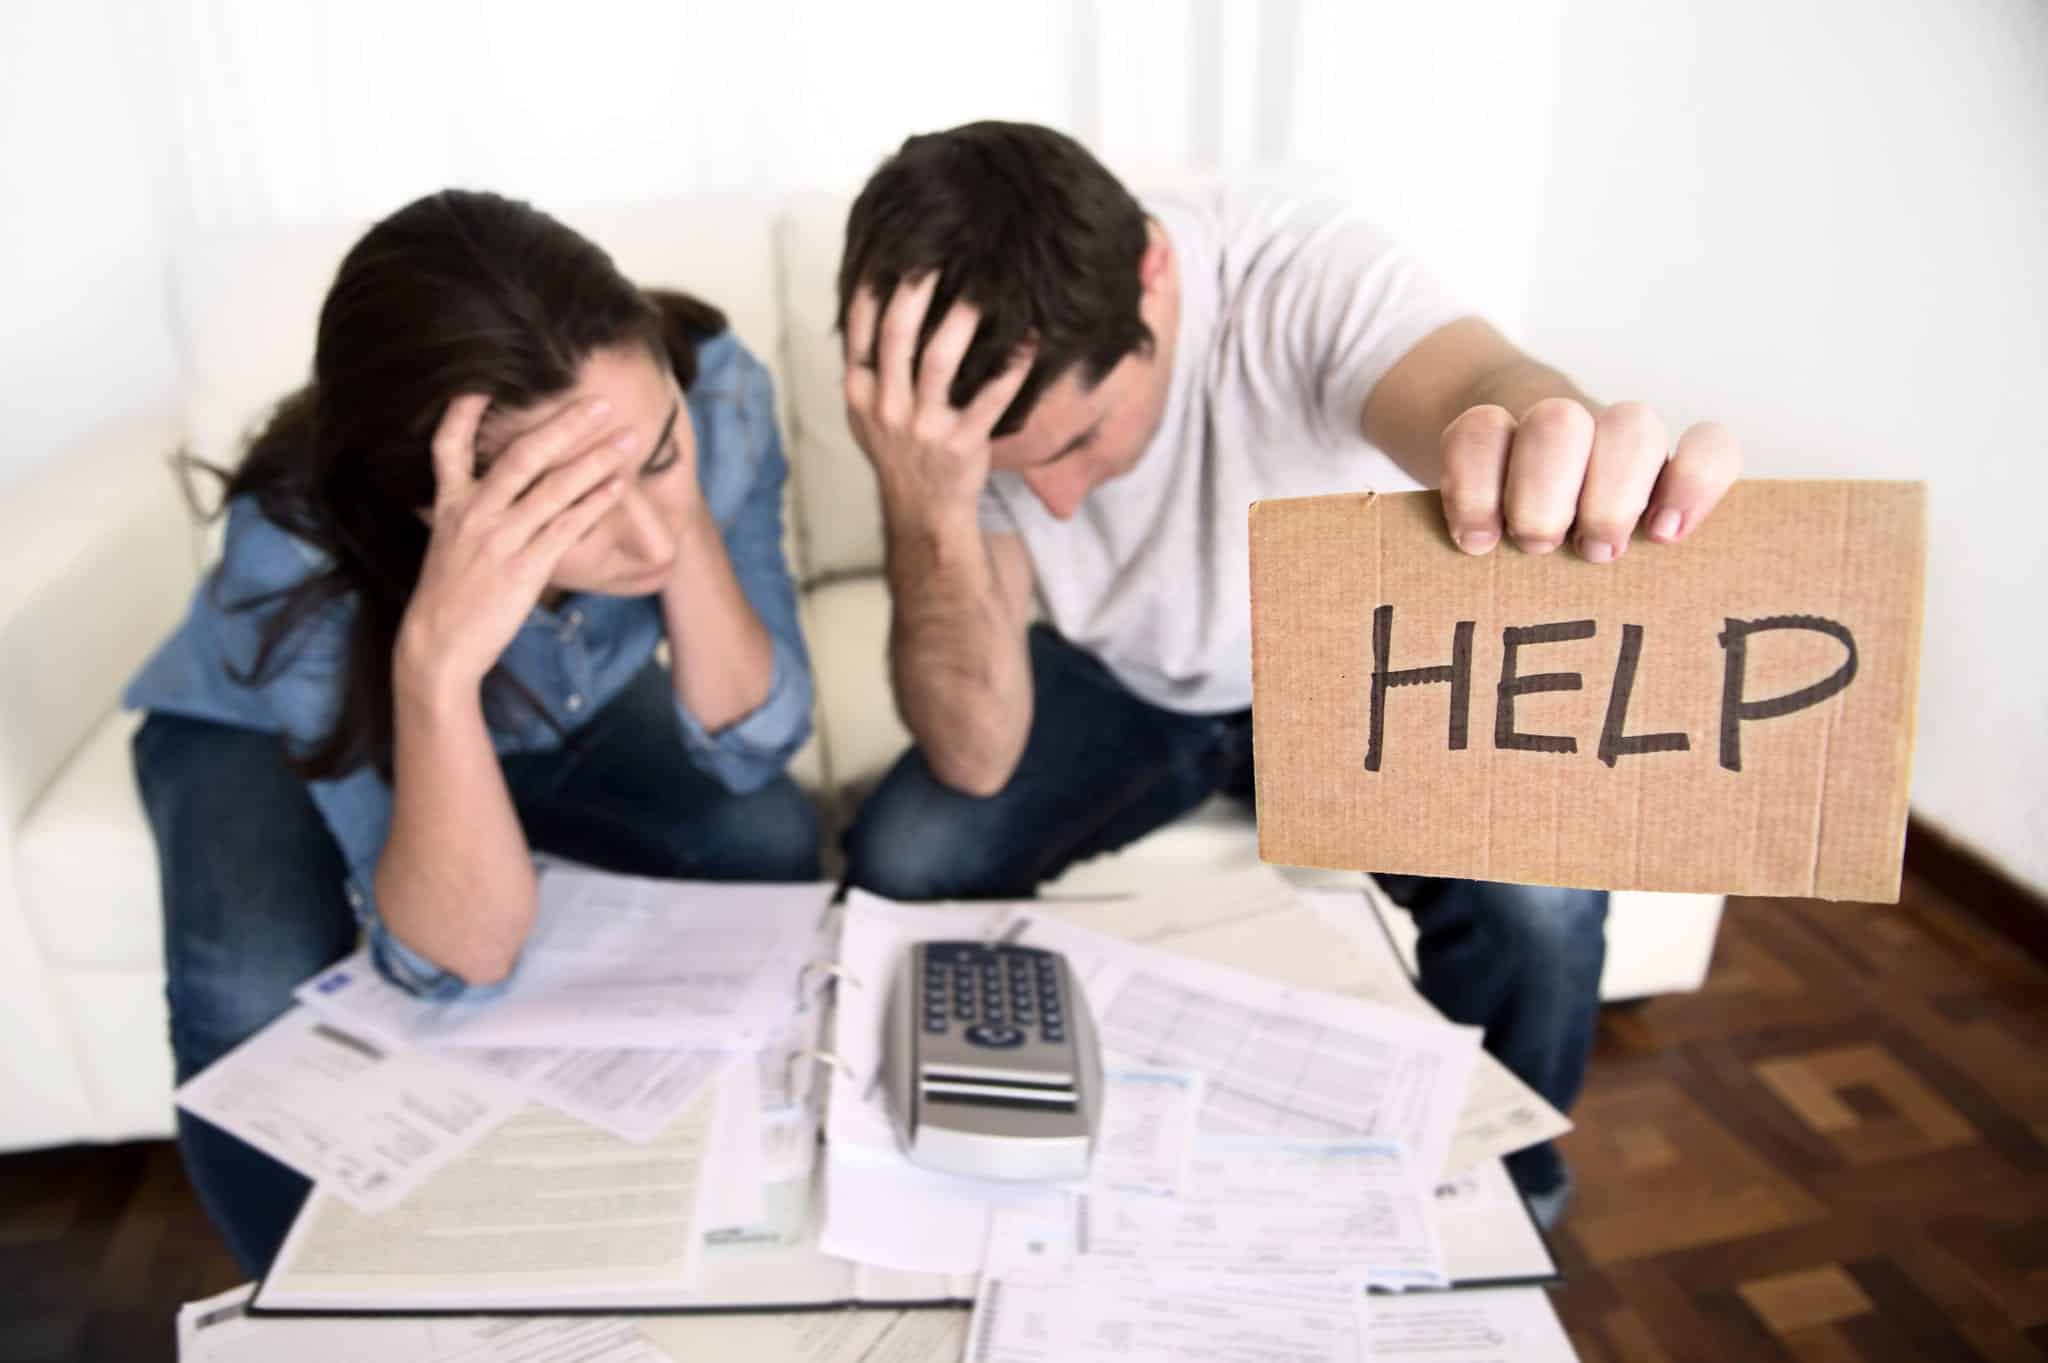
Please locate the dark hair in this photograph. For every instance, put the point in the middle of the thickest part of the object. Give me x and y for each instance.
(459, 292)
(1024, 223)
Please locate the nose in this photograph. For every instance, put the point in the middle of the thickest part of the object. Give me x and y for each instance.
(643, 536)
(1060, 489)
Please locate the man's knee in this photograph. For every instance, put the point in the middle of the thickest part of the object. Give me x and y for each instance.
(1548, 924)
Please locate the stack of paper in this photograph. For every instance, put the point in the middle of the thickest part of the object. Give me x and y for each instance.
(641, 1090)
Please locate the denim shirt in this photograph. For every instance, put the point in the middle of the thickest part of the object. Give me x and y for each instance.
(573, 658)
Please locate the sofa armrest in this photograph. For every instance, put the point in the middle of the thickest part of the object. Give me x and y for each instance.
(96, 565)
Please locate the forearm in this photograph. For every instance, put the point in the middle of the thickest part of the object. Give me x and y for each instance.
(456, 881)
(957, 654)
(723, 657)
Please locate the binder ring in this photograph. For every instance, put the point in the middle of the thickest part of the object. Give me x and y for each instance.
(816, 1056)
(831, 968)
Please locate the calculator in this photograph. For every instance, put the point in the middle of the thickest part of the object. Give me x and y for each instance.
(990, 1061)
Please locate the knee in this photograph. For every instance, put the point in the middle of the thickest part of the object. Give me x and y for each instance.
(912, 840)
(1547, 924)
(773, 835)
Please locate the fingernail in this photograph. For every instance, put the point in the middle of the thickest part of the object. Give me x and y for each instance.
(1667, 523)
(624, 440)
(1596, 551)
(1477, 541)
(1537, 546)
(600, 408)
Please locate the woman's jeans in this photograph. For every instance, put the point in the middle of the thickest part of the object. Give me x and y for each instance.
(254, 901)
(1102, 768)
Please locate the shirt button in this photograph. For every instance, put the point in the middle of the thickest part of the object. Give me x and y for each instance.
(575, 619)
(355, 897)
(575, 702)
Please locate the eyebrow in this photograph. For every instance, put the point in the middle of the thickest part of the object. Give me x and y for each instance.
(1076, 443)
(667, 429)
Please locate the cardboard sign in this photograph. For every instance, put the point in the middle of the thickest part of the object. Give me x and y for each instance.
(1733, 714)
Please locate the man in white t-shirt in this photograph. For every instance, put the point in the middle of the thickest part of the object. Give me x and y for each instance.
(1070, 398)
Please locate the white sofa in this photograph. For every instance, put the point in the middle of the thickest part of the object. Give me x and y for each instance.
(98, 554)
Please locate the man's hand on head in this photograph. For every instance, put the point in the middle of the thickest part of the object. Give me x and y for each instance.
(1560, 472)
(931, 458)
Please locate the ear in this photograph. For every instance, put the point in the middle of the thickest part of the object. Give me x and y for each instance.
(1155, 264)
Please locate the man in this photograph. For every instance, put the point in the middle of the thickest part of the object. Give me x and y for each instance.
(1069, 397)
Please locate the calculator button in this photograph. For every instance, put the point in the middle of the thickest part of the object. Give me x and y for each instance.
(995, 1036)
(1055, 1033)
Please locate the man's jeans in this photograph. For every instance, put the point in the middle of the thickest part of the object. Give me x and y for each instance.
(1102, 768)
(254, 902)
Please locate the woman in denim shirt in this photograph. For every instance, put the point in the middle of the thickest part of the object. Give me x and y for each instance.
(429, 647)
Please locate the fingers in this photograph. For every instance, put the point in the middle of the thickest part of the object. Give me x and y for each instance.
(1628, 453)
(535, 452)
(562, 487)
(1705, 465)
(1546, 468)
(1475, 459)
(986, 408)
(940, 362)
(454, 447)
(567, 530)
(896, 344)
(861, 316)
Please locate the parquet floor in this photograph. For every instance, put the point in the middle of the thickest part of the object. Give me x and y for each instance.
(1837, 1152)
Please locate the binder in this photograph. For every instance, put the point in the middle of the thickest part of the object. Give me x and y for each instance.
(777, 1267)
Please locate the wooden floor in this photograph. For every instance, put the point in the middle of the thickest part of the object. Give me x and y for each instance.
(1837, 1151)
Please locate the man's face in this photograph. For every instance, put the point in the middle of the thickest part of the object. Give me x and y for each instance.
(1078, 438)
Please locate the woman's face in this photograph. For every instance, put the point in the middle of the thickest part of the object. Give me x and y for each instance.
(632, 551)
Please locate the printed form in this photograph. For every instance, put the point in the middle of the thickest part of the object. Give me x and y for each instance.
(365, 1123)
(1280, 1060)
(617, 961)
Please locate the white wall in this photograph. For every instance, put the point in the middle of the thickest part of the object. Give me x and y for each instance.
(1820, 223)
(83, 335)
(1827, 226)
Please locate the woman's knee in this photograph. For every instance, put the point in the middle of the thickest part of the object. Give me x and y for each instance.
(767, 834)
(251, 881)
(915, 839)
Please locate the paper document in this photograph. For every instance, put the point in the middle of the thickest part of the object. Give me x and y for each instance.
(813, 1337)
(1487, 1233)
(617, 961)
(1147, 1131)
(218, 1330)
(1108, 1319)
(1501, 1114)
(729, 1187)
(365, 1123)
(1280, 1060)
(544, 1211)
(635, 1094)
(1511, 1325)
(1280, 1206)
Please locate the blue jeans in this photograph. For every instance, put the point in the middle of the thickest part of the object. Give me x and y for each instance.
(254, 903)
(1102, 768)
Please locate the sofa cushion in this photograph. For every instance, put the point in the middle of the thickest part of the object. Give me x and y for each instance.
(87, 864)
(848, 622)
(842, 521)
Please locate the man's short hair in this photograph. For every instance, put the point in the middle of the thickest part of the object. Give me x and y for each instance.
(1021, 221)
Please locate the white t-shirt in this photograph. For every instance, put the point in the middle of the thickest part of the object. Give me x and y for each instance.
(1290, 312)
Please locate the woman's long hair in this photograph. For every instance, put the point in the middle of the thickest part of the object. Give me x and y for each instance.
(459, 292)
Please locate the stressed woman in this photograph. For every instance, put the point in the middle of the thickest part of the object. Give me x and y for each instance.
(429, 648)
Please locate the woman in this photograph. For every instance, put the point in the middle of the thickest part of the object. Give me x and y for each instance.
(429, 647)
